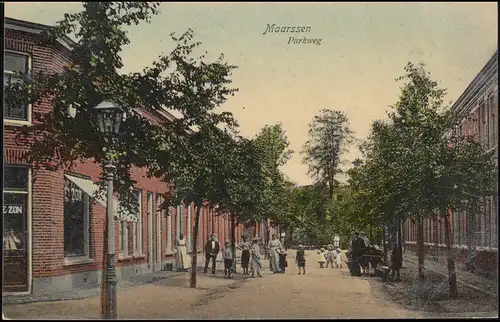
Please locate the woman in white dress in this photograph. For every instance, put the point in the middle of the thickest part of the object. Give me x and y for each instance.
(181, 253)
(274, 251)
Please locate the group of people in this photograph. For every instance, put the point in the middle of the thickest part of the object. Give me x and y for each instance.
(330, 256)
(250, 257)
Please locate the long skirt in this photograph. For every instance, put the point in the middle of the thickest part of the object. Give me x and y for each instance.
(245, 258)
(256, 265)
(274, 259)
(182, 258)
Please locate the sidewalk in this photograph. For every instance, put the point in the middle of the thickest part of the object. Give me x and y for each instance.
(161, 299)
(94, 290)
(477, 282)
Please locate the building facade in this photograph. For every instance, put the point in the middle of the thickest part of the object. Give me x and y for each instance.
(53, 230)
(478, 236)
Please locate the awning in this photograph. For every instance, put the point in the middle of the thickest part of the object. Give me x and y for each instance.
(90, 189)
(87, 186)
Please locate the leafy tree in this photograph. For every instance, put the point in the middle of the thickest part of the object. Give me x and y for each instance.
(412, 170)
(330, 136)
(243, 181)
(176, 81)
(201, 178)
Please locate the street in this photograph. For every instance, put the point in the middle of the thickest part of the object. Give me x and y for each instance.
(321, 293)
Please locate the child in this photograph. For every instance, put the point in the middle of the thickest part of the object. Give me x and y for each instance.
(321, 257)
(330, 255)
(227, 255)
(338, 258)
(300, 259)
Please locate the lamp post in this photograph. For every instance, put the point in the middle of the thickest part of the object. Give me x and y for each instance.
(109, 117)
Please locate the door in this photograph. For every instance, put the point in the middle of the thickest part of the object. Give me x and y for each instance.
(151, 213)
(158, 244)
(15, 234)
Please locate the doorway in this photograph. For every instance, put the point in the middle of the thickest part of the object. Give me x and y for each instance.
(16, 218)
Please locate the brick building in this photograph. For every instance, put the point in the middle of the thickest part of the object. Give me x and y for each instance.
(53, 231)
(478, 105)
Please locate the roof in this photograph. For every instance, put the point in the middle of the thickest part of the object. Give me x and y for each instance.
(483, 80)
(36, 28)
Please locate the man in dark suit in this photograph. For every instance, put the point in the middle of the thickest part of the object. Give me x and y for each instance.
(358, 246)
(212, 248)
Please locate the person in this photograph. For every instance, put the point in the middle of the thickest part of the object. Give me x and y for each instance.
(274, 249)
(358, 246)
(338, 258)
(282, 260)
(212, 248)
(182, 262)
(255, 255)
(245, 254)
(227, 255)
(11, 241)
(321, 257)
(330, 255)
(336, 241)
(396, 261)
(300, 259)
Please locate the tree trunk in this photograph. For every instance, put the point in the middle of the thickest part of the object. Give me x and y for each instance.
(104, 285)
(384, 242)
(194, 254)
(420, 247)
(471, 247)
(403, 244)
(400, 241)
(452, 277)
(233, 241)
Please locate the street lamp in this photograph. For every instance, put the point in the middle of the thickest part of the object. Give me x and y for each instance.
(109, 117)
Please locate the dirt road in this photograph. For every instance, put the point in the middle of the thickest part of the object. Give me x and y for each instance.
(321, 293)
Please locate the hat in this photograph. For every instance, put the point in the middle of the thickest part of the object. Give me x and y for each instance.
(300, 246)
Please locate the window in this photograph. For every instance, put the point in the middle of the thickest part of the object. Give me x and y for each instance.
(13, 64)
(180, 215)
(137, 235)
(123, 242)
(484, 124)
(16, 194)
(491, 121)
(159, 220)
(76, 220)
(169, 229)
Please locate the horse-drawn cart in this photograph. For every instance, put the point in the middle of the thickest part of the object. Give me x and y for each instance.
(369, 258)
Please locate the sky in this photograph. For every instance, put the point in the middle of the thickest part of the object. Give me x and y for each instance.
(363, 48)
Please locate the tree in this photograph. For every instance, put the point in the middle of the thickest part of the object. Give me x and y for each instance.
(413, 170)
(330, 136)
(176, 81)
(200, 179)
(243, 183)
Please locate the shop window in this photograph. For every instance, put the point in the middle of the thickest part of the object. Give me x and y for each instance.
(15, 203)
(76, 220)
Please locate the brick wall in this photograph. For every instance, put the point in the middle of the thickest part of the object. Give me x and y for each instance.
(48, 188)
